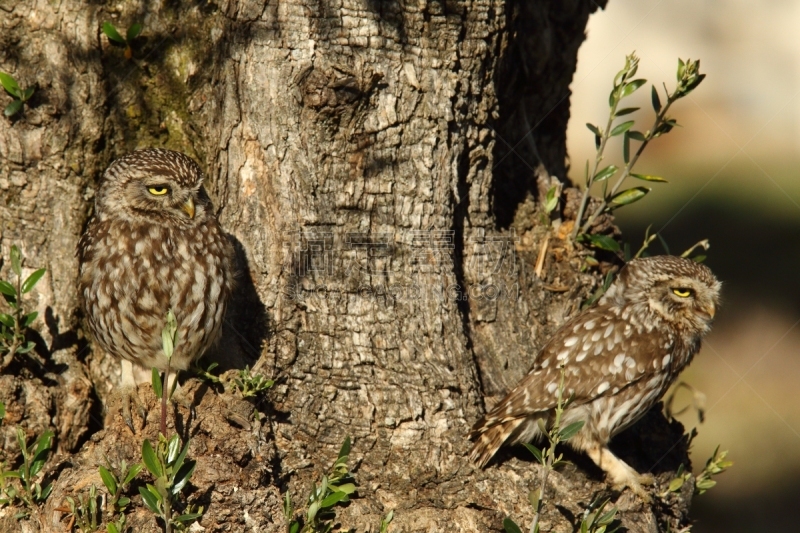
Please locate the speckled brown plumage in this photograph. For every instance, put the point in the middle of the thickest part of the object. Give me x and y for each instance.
(619, 358)
(154, 244)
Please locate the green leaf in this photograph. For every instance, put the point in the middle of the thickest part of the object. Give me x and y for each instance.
(111, 528)
(636, 135)
(33, 279)
(629, 196)
(2, 411)
(568, 432)
(681, 69)
(183, 476)
(619, 129)
(613, 97)
(29, 318)
(16, 260)
(132, 473)
(150, 500)
(7, 320)
(551, 200)
(510, 526)
(188, 516)
(156, 381)
(632, 87)
(313, 508)
(21, 443)
(42, 450)
(133, 31)
(535, 451)
(626, 111)
(10, 85)
(150, 460)
(607, 517)
(344, 452)
(112, 33)
(108, 480)
(332, 500)
(7, 288)
(27, 347)
(179, 461)
(27, 93)
(655, 99)
(648, 177)
(626, 148)
(173, 449)
(13, 108)
(347, 488)
(605, 174)
(123, 501)
(295, 527)
(604, 242)
(594, 129)
(676, 484)
(45, 492)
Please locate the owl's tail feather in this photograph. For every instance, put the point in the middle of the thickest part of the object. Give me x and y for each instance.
(489, 438)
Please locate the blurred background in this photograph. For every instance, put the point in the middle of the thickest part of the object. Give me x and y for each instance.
(733, 178)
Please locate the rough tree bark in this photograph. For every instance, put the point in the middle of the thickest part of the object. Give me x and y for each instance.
(380, 165)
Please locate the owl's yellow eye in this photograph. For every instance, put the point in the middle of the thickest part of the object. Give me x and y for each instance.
(158, 190)
(682, 292)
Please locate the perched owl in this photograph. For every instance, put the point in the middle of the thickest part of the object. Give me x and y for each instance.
(619, 357)
(153, 245)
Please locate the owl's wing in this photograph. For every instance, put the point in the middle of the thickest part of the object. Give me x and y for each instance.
(88, 240)
(601, 354)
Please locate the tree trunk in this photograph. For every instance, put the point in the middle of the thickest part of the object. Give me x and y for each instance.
(381, 167)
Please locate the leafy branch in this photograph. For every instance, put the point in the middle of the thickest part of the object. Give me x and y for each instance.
(13, 326)
(34, 457)
(335, 488)
(716, 464)
(625, 85)
(172, 471)
(547, 457)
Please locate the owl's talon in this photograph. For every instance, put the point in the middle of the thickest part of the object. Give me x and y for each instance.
(635, 486)
(131, 396)
(647, 479)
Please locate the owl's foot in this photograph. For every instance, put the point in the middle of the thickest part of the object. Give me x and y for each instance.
(129, 394)
(620, 474)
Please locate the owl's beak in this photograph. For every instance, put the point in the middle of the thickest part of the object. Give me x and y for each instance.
(188, 207)
(710, 309)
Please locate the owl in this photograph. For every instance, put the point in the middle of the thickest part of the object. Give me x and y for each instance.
(617, 358)
(154, 244)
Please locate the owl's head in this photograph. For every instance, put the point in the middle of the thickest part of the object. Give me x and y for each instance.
(679, 290)
(152, 185)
